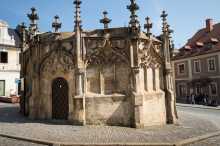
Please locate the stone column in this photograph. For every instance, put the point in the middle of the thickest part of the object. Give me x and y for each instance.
(136, 89)
(167, 72)
(80, 96)
(22, 71)
(80, 67)
(137, 98)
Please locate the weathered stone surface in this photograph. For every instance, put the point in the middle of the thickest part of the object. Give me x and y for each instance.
(114, 76)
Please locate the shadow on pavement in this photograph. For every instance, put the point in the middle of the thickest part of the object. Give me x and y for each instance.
(9, 113)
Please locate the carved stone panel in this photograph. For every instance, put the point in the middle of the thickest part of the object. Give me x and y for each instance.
(61, 62)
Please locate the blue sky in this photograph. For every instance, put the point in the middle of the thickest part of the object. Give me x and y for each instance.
(185, 16)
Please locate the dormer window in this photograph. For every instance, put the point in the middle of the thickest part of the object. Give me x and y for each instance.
(187, 47)
(214, 40)
(209, 45)
(199, 44)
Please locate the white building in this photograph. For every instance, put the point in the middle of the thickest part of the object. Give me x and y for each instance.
(9, 60)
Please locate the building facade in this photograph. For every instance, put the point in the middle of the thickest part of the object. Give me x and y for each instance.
(9, 60)
(197, 65)
(111, 76)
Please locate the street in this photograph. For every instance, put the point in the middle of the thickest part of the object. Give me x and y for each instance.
(210, 114)
(193, 122)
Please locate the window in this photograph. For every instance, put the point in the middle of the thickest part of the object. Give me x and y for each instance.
(197, 66)
(198, 89)
(213, 89)
(2, 88)
(3, 57)
(181, 68)
(211, 64)
(182, 90)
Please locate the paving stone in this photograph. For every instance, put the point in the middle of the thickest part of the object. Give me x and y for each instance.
(13, 142)
(12, 123)
(215, 141)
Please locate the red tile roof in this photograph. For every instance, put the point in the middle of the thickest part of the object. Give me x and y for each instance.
(203, 42)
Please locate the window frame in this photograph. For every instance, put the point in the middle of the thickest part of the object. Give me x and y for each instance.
(4, 87)
(6, 62)
(210, 90)
(209, 59)
(179, 73)
(179, 89)
(194, 66)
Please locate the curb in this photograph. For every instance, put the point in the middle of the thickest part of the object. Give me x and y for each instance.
(197, 106)
(197, 139)
(32, 140)
(52, 143)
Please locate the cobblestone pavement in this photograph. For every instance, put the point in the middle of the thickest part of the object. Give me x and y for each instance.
(215, 141)
(12, 123)
(12, 142)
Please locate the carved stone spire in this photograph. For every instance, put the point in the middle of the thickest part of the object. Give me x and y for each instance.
(170, 31)
(167, 71)
(80, 68)
(78, 29)
(165, 35)
(33, 17)
(78, 21)
(105, 20)
(23, 31)
(148, 26)
(164, 21)
(56, 23)
(134, 23)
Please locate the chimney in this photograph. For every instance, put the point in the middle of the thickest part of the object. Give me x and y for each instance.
(209, 25)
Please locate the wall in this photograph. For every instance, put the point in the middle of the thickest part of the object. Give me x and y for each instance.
(10, 71)
(154, 110)
(186, 74)
(204, 67)
(215, 75)
(109, 110)
(10, 85)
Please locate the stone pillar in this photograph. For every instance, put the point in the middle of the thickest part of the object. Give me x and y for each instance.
(22, 71)
(136, 89)
(80, 96)
(137, 98)
(167, 72)
(80, 67)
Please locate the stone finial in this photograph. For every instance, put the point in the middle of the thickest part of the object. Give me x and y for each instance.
(23, 31)
(172, 44)
(56, 23)
(105, 20)
(33, 17)
(169, 30)
(23, 26)
(148, 26)
(134, 23)
(78, 21)
(164, 20)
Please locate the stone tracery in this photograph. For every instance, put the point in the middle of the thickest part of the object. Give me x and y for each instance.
(121, 66)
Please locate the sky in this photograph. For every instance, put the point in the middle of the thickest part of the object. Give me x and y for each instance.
(186, 17)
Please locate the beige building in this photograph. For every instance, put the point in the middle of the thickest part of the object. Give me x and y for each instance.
(197, 65)
(9, 60)
(111, 76)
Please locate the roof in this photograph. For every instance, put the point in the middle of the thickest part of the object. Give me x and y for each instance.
(14, 33)
(12, 38)
(203, 42)
(3, 23)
